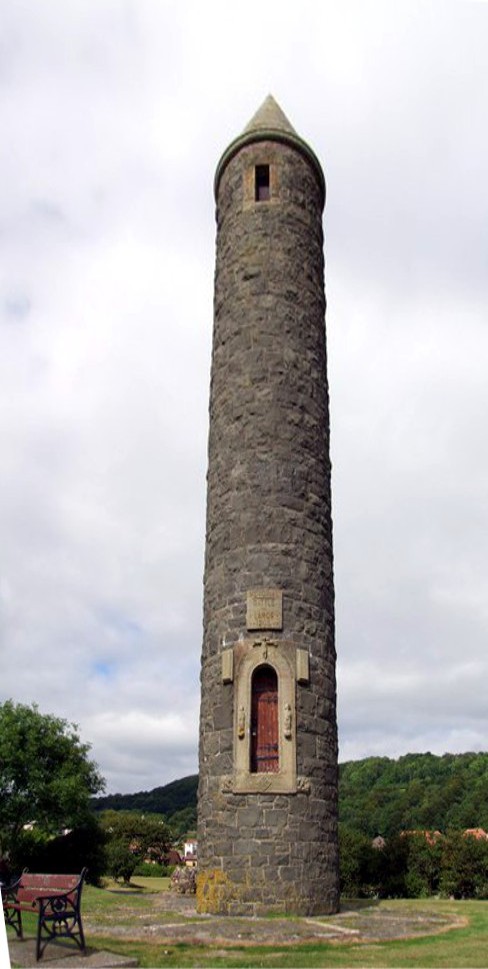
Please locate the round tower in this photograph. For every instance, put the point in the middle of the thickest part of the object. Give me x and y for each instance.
(267, 803)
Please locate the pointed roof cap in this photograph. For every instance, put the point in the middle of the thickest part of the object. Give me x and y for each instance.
(270, 115)
(270, 124)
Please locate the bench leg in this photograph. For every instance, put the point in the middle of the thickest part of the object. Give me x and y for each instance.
(38, 940)
(52, 930)
(82, 936)
(13, 917)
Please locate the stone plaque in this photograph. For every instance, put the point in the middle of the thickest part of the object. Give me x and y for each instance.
(227, 665)
(264, 609)
(303, 666)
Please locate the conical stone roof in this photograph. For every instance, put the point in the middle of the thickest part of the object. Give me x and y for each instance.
(269, 123)
(270, 117)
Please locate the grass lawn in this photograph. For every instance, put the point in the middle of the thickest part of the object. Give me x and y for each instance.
(466, 946)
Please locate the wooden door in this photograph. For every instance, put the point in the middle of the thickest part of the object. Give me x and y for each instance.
(264, 721)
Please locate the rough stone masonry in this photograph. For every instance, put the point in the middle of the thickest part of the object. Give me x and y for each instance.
(267, 802)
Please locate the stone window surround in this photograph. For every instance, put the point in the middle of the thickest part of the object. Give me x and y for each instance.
(262, 191)
(281, 656)
(249, 180)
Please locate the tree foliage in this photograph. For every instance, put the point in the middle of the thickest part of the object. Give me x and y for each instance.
(82, 847)
(414, 866)
(168, 800)
(46, 776)
(464, 871)
(357, 864)
(418, 791)
(132, 838)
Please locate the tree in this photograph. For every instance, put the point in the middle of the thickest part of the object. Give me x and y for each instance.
(46, 777)
(357, 864)
(121, 861)
(393, 864)
(131, 838)
(423, 864)
(464, 871)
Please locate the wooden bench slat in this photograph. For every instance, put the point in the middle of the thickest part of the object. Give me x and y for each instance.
(30, 895)
(62, 882)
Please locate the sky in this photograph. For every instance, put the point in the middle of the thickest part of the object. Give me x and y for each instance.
(114, 115)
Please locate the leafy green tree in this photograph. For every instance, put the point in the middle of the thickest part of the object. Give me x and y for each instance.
(393, 865)
(131, 838)
(464, 866)
(423, 865)
(121, 861)
(46, 776)
(358, 864)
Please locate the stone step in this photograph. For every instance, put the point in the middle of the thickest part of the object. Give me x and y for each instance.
(23, 955)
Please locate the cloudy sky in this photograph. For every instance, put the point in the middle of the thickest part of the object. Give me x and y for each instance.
(114, 114)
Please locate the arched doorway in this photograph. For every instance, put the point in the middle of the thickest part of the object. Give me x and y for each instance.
(265, 757)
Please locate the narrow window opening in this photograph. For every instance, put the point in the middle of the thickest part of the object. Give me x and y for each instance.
(264, 721)
(262, 192)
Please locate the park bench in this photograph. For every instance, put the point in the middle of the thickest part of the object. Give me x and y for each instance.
(55, 898)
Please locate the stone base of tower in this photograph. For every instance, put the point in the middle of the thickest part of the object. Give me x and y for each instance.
(278, 856)
(260, 891)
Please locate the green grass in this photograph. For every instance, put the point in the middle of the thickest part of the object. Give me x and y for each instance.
(458, 948)
(140, 884)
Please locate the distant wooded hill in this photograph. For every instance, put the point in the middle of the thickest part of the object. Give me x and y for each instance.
(376, 795)
(382, 796)
(177, 801)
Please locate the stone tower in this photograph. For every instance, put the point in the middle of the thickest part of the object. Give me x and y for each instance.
(267, 803)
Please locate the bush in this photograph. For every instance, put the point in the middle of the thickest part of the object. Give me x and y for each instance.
(83, 847)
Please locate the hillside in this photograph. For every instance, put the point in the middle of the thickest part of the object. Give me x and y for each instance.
(377, 795)
(383, 796)
(167, 800)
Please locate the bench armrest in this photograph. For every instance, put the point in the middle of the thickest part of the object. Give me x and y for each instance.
(9, 891)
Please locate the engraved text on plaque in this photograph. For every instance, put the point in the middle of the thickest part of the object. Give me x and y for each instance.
(264, 609)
